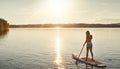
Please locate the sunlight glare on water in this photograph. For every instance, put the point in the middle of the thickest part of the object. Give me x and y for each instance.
(58, 60)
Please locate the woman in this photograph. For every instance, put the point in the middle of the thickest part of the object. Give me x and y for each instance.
(88, 41)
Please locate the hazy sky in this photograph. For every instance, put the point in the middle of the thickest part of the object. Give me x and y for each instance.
(60, 11)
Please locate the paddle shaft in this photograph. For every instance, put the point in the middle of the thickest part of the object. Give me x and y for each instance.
(81, 51)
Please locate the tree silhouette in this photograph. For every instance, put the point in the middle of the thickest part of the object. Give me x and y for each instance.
(4, 25)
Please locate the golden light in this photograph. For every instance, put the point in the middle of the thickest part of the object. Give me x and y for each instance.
(51, 11)
(58, 60)
(57, 28)
(57, 7)
(53, 7)
(56, 11)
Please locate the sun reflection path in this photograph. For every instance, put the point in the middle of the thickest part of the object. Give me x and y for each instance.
(58, 60)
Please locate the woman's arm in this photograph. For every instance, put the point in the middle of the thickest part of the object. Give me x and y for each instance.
(85, 41)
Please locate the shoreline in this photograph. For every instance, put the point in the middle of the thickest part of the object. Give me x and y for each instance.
(66, 26)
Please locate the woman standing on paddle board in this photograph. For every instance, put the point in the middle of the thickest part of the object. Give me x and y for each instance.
(88, 43)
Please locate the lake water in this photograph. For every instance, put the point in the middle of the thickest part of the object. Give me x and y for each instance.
(38, 48)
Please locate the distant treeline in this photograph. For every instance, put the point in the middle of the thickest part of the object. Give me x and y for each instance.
(4, 25)
(74, 25)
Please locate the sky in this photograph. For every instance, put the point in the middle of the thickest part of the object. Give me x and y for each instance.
(60, 11)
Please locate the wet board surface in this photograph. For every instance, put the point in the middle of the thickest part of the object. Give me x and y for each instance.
(89, 61)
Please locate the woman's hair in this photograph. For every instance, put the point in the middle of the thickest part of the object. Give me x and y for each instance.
(87, 32)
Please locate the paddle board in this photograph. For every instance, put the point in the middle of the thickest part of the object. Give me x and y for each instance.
(89, 61)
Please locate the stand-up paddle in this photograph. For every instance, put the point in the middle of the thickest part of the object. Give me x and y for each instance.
(86, 59)
(79, 54)
(81, 51)
(89, 61)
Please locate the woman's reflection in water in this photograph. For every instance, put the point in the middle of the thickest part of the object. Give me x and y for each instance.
(89, 66)
(81, 66)
(86, 66)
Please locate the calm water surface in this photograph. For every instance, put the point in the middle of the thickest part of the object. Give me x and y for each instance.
(38, 48)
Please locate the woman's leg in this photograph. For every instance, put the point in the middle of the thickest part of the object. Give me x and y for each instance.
(91, 52)
(87, 48)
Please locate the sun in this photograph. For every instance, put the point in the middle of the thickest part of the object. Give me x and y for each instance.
(52, 7)
(57, 7)
(51, 11)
